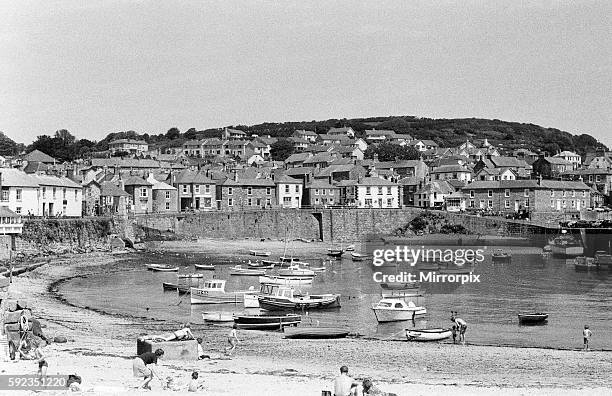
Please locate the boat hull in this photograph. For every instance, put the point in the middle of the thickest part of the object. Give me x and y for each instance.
(315, 332)
(264, 322)
(251, 300)
(281, 280)
(384, 315)
(259, 253)
(326, 301)
(160, 268)
(199, 296)
(205, 267)
(567, 251)
(182, 289)
(218, 317)
(424, 335)
(537, 318)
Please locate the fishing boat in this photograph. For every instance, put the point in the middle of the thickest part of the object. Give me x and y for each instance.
(239, 270)
(286, 280)
(296, 271)
(395, 309)
(500, 255)
(434, 334)
(259, 253)
(427, 266)
(260, 265)
(335, 253)
(266, 322)
(316, 332)
(162, 268)
(218, 317)
(190, 276)
(566, 246)
(585, 263)
(278, 297)
(359, 256)
(208, 267)
(350, 248)
(181, 288)
(213, 292)
(532, 318)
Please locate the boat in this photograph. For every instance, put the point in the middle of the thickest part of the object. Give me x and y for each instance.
(181, 288)
(190, 276)
(434, 334)
(208, 267)
(271, 263)
(585, 263)
(239, 270)
(296, 271)
(260, 265)
(427, 266)
(335, 253)
(350, 248)
(566, 246)
(277, 297)
(213, 292)
(286, 280)
(266, 322)
(218, 317)
(500, 254)
(162, 268)
(251, 300)
(395, 309)
(400, 286)
(603, 260)
(315, 332)
(359, 256)
(532, 318)
(259, 253)
(285, 259)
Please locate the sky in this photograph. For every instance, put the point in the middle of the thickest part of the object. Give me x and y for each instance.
(96, 67)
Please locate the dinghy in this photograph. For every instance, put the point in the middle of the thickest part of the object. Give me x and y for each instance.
(532, 318)
(218, 317)
(190, 276)
(181, 288)
(259, 253)
(315, 332)
(208, 267)
(238, 270)
(266, 322)
(162, 268)
(359, 256)
(286, 280)
(428, 334)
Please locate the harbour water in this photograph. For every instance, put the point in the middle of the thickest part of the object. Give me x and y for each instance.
(527, 283)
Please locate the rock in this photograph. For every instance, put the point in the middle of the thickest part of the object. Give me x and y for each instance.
(60, 339)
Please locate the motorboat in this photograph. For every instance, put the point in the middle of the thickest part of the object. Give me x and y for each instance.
(456, 269)
(582, 263)
(259, 253)
(213, 292)
(260, 265)
(208, 267)
(239, 270)
(335, 253)
(500, 255)
(567, 246)
(396, 309)
(162, 268)
(349, 248)
(286, 280)
(296, 271)
(532, 318)
(266, 322)
(179, 287)
(285, 259)
(432, 334)
(190, 276)
(603, 260)
(277, 297)
(309, 332)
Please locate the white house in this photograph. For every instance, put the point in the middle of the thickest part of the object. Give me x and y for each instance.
(373, 192)
(572, 157)
(19, 192)
(59, 196)
(289, 192)
(129, 145)
(451, 172)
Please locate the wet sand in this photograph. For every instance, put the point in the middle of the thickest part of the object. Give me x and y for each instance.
(101, 347)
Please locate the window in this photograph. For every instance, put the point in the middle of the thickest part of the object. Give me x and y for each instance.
(564, 193)
(196, 188)
(380, 190)
(297, 188)
(482, 203)
(573, 203)
(286, 188)
(316, 191)
(573, 193)
(590, 178)
(230, 202)
(258, 201)
(597, 178)
(207, 188)
(268, 190)
(316, 201)
(471, 204)
(584, 194)
(76, 194)
(5, 194)
(331, 191)
(269, 201)
(506, 203)
(54, 191)
(185, 188)
(367, 190)
(64, 193)
(230, 191)
(507, 193)
(143, 192)
(167, 205)
(490, 204)
(490, 193)
(323, 191)
(368, 202)
(167, 194)
(250, 202)
(249, 190)
(564, 204)
(552, 203)
(44, 190)
(389, 202)
(471, 193)
(552, 193)
(526, 192)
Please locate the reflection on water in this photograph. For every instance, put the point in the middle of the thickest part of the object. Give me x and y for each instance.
(528, 282)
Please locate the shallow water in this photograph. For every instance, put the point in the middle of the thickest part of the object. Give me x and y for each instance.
(527, 283)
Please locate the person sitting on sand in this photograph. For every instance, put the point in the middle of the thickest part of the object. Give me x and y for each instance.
(140, 369)
(233, 340)
(179, 335)
(201, 354)
(369, 389)
(586, 335)
(461, 326)
(194, 384)
(345, 385)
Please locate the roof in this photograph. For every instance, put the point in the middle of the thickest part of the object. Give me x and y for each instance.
(300, 170)
(45, 180)
(249, 183)
(136, 181)
(320, 157)
(449, 168)
(192, 177)
(339, 130)
(409, 181)
(534, 184)
(284, 179)
(500, 161)
(39, 156)
(6, 212)
(328, 171)
(398, 164)
(320, 183)
(35, 166)
(127, 141)
(440, 187)
(298, 157)
(108, 189)
(567, 154)
(375, 181)
(557, 161)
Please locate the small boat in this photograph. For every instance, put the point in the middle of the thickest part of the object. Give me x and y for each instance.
(271, 262)
(266, 322)
(190, 276)
(499, 255)
(296, 271)
(359, 256)
(603, 260)
(218, 317)
(400, 286)
(315, 332)
(181, 288)
(238, 270)
(284, 259)
(428, 334)
(335, 253)
(260, 265)
(350, 248)
(277, 297)
(259, 253)
(395, 309)
(213, 292)
(286, 280)
(532, 318)
(585, 263)
(162, 268)
(427, 266)
(208, 267)
(567, 246)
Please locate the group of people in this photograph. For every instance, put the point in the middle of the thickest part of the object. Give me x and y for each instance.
(459, 328)
(344, 385)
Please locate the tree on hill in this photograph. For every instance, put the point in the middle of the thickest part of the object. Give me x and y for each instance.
(63, 146)
(8, 145)
(391, 152)
(173, 133)
(281, 150)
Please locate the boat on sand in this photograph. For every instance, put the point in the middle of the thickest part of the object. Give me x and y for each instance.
(208, 267)
(315, 332)
(266, 322)
(433, 334)
(213, 292)
(276, 297)
(532, 318)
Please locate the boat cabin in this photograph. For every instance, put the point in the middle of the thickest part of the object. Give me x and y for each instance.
(392, 303)
(270, 289)
(214, 285)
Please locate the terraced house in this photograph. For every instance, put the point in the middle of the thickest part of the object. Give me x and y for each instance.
(195, 191)
(245, 194)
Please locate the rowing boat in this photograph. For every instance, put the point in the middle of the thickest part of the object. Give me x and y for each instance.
(259, 253)
(532, 318)
(161, 268)
(208, 267)
(315, 332)
(435, 334)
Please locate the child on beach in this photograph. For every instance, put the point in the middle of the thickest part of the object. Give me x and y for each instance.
(233, 340)
(140, 369)
(461, 326)
(201, 354)
(194, 385)
(41, 358)
(586, 334)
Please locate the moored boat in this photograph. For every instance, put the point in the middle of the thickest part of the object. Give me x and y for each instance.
(359, 256)
(162, 268)
(532, 318)
(603, 260)
(238, 270)
(259, 253)
(433, 334)
(286, 280)
(582, 263)
(335, 253)
(315, 332)
(218, 317)
(266, 322)
(181, 288)
(190, 276)
(500, 254)
(285, 259)
(456, 269)
(566, 246)
(208, 267)
(395, 310)
(251, 300)
(296, 271)
(350, 248)
(213, 292)
(277, 297)
(259, 265)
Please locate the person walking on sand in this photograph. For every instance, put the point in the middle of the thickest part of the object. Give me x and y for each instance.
(345, 385)
(39, 355)
(461, 326)
(586, 334)
(233, 340)
(140, 369)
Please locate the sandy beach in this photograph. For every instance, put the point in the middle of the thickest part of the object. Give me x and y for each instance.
(101, 346)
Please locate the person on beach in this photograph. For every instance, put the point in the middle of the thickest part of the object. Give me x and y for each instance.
(233, 340)
(179, 335)
(194, 385)
(345, 385)
(461, 326)
(586, 335)
(140, 369)
(370, 389)
(201, 354)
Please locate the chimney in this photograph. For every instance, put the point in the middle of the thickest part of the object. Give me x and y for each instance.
(375, 157)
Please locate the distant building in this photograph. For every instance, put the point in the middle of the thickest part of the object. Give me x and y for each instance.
(195, 191)
(164, 196)
(374, 192)
(233, 194)
(571, 157)
(320, 193)
(141, 194)
(551, 167)
(346, 131)
(132, 146)
(289, 192)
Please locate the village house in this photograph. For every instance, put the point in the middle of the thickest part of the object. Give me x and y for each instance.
(10, 223)
(346, 131)
(374, 192)
(91, 198)
(113, 200)
(229, 134)
(140, 192)
(132, 146)
(451, 172)
(320, 193)
(404, 168)
(246, 194)
(259, 148)
(299, 144)
(341, 172)
(598, 178)
(551, 167)
(289, 192)
(20, 192)
(309, 136)
(423, 145)
(213, 147)
(195, 191)
(520, 167)
(164, 196)
(408, 188)
(236, 148)
(495, 174)
(571, 157)
(59, 196)
(432, 194)
(193, 148)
